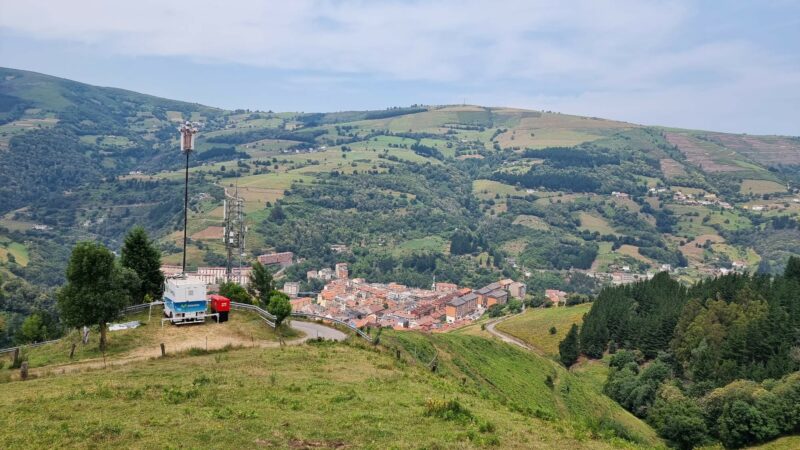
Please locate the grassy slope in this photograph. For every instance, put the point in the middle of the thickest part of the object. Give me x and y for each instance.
(325, 395)
(243, 326)
(534, 325)
(517, 379)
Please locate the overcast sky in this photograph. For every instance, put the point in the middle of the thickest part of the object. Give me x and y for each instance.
(723, 65)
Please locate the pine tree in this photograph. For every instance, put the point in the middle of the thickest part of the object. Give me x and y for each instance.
(140, 254)
(568, 348)
(792, 270)
(261, 283)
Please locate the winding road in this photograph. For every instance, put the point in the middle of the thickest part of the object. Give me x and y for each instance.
(315, 330)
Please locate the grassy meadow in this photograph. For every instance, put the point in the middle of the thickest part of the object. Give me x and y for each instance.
(322, 395)
(533, 326)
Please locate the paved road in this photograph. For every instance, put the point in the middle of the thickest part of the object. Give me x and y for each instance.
(314, 330)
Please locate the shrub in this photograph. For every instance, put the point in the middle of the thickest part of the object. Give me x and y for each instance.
(447, 410)
(175, 395)
(678, 419)
(486, 427)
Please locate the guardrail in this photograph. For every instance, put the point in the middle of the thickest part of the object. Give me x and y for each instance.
(265, 315)
(330, 319)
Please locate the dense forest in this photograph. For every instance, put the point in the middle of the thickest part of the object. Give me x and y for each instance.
(717, 360)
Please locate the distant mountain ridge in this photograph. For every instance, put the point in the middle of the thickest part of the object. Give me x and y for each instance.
(525, 189)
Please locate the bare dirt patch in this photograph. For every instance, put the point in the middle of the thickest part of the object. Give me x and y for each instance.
(694, 253)
(763, 149)
(209, 233)
(697, 154)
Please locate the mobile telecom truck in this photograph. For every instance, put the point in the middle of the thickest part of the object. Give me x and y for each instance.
(185, 300)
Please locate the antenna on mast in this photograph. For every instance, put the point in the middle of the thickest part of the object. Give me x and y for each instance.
(188, 132)
(234, 231)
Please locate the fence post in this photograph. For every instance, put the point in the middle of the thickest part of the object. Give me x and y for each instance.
(163, 350)
(23, 371)
(72, 351)
(15, 360)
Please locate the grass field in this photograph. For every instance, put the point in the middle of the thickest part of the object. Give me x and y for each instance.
(486, 189)
(16, 249)
(430, 243)
(784, 443)
(594, 223)
(534, 325)
(243, 328)
(758, 187)
(633, 252)
(517, 378)
(321, 396)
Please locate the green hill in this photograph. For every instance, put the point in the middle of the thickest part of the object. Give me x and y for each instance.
(347, 395)
(527, 191)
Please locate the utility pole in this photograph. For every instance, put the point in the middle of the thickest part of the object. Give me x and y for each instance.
(188, 133)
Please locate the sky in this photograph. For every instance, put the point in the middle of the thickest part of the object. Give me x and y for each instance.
(715, 65)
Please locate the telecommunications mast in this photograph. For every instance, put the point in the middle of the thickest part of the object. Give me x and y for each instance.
(188, 133)
(234, 232)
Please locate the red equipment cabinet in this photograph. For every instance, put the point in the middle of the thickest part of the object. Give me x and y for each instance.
(220, 305)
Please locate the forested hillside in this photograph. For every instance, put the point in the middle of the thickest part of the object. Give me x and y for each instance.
(718, 360)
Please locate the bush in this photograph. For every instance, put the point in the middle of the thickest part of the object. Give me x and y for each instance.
(175, 395)
(553, 330)
(447, 410)
(577, 299)
(678, 419)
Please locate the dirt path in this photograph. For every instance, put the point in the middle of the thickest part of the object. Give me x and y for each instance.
(510, 339)
(179, 339)
(520, 343)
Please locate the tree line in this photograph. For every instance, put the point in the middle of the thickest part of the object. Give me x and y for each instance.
(714, 361)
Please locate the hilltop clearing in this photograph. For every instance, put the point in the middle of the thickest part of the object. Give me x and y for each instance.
(245, 329)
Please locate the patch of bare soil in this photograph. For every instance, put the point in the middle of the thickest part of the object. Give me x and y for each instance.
(698, 155)
(209, 233)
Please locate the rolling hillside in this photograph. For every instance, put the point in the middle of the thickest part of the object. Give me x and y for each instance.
(533, 194)
(318, 395)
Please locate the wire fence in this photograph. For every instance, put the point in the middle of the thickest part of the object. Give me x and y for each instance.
(264, 314)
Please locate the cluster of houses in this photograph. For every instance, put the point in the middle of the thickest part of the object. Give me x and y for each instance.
(284, 259)
(212, 276)
(443, 306)
(625, 276)
(705, 200)
(339, 271)
(472, 304)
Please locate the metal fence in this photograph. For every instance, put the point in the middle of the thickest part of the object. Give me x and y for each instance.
(38, 344)
(340, 322)
(264, 314)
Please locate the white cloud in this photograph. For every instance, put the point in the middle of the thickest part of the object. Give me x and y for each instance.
(436, 40)
(596, 57)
